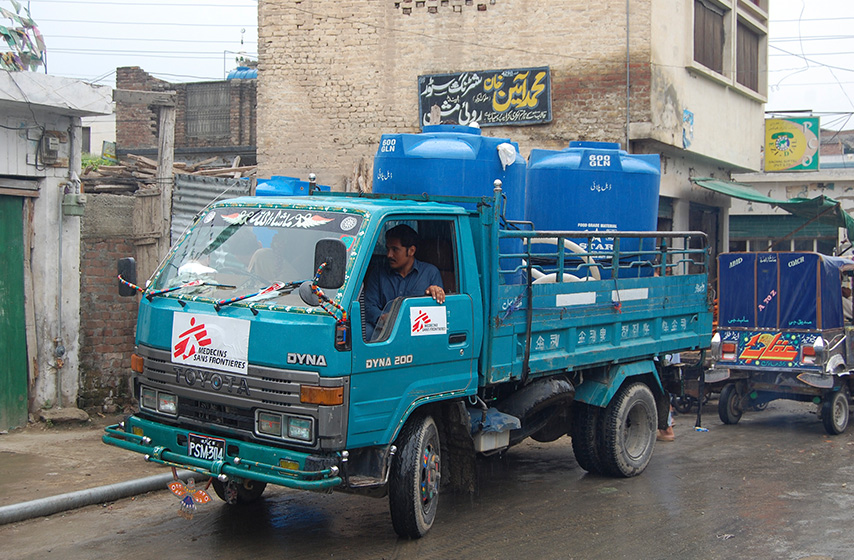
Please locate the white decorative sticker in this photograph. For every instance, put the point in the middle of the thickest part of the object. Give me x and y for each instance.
(424, 321)
(208, 341)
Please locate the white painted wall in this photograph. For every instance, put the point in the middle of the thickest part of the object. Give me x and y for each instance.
(31, 103)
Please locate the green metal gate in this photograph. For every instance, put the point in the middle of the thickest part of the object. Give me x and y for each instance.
(13, 346)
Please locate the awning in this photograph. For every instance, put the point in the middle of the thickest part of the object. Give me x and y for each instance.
(820, 209)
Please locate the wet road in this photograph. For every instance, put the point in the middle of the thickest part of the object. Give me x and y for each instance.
(773, 486)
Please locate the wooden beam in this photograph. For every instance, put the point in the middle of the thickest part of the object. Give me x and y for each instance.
(161, 98)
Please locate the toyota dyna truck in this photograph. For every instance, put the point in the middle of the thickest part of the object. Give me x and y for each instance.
(254, 375)
(782, 334)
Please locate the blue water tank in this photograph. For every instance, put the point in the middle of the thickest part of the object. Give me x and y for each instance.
(455, 160)
(279, 185)
(452, 160)
(595, 186)
(243, 73)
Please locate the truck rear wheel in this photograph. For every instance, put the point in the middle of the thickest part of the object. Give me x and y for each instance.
(239, 493)
(586, 440)
(628, 431)
(729, 405)
(835, 411)
(414, 482)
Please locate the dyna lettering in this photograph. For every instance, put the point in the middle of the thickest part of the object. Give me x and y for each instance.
(306, 359)
(211, 381)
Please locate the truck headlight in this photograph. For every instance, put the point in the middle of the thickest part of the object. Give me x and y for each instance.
(167, 403)
(284, 426)
(158, 401)
(299, 428)
(148, 398)
(270, 424)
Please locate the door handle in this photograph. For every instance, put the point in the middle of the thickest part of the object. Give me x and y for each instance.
(456, 338)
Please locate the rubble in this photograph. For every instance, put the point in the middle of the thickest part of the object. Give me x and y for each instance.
(134, 171)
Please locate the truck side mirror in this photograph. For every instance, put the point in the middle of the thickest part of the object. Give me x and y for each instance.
(127, 269)
(333, 252)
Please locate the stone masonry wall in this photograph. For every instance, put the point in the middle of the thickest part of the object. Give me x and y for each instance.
(334, 76)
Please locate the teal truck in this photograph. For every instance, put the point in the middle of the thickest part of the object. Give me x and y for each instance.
(254, 375)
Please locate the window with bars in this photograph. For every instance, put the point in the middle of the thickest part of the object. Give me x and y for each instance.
(207, 114)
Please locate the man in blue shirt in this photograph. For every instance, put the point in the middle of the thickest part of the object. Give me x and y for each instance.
(403, 276)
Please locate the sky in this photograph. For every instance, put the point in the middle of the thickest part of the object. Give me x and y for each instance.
(810, 51)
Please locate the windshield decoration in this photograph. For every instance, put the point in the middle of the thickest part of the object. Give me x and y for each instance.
(126, 283)
(258, 255)
(278, 287)
(327, 304)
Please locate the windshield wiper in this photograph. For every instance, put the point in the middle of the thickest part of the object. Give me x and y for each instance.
(281, 287)
(191, 284)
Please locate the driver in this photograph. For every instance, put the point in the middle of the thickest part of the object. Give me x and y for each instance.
(403, 276)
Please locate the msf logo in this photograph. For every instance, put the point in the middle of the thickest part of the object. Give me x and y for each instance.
(190, 340)
(421, 321)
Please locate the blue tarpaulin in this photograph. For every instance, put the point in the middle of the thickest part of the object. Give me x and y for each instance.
(795, 290)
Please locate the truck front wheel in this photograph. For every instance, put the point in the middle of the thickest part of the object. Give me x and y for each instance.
(629, 429)
(239, 492)
(414, 482)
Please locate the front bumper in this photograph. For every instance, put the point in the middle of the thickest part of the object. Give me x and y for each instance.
(160, 443)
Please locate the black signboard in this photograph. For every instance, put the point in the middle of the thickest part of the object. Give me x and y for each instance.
(488, 97)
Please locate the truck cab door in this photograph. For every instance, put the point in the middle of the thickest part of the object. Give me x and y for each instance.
(424, 350)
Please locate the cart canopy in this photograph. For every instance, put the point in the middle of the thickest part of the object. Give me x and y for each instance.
(780, 290)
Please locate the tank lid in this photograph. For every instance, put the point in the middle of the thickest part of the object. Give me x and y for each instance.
(459, 128)
(594, 145)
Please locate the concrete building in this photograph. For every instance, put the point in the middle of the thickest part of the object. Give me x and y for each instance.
(686, 80)
(40, 208)
(758, 227)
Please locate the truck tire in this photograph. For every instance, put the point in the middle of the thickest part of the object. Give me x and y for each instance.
(586, 440)
(239, 493)
(835, 411)
(413, 492)
(729, 405)
(629, 428)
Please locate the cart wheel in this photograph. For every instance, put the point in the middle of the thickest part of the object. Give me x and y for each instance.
(760, 406)
(834, 412)
(729, 405)
(683, 404)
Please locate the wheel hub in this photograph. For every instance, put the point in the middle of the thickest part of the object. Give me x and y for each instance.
(429, 475)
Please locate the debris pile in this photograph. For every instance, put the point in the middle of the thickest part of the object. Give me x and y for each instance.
(135, 172)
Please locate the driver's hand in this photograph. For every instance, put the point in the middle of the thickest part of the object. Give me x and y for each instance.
(436, 293)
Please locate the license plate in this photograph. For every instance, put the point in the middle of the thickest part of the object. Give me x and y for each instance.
(204, 447)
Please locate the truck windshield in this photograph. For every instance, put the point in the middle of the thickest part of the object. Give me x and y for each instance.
(237, 251)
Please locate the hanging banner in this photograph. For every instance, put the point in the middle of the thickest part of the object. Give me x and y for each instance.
(488, 97)
(791, 144)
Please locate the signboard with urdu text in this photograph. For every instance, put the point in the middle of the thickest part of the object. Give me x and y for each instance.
(488, 97)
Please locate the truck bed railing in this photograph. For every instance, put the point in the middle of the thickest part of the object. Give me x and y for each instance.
(573, 255)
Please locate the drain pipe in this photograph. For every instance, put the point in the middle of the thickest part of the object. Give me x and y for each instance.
(64, 502)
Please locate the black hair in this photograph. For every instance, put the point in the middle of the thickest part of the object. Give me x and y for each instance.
(403, 233)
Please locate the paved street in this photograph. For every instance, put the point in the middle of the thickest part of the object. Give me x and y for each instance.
(774, 486)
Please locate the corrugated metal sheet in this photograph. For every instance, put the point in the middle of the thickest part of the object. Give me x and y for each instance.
(192, 193)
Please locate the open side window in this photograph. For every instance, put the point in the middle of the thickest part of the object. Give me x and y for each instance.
(437, 245)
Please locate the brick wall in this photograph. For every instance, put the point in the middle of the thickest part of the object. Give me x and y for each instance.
(107, 321)
(335, 76)
(136, 124)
